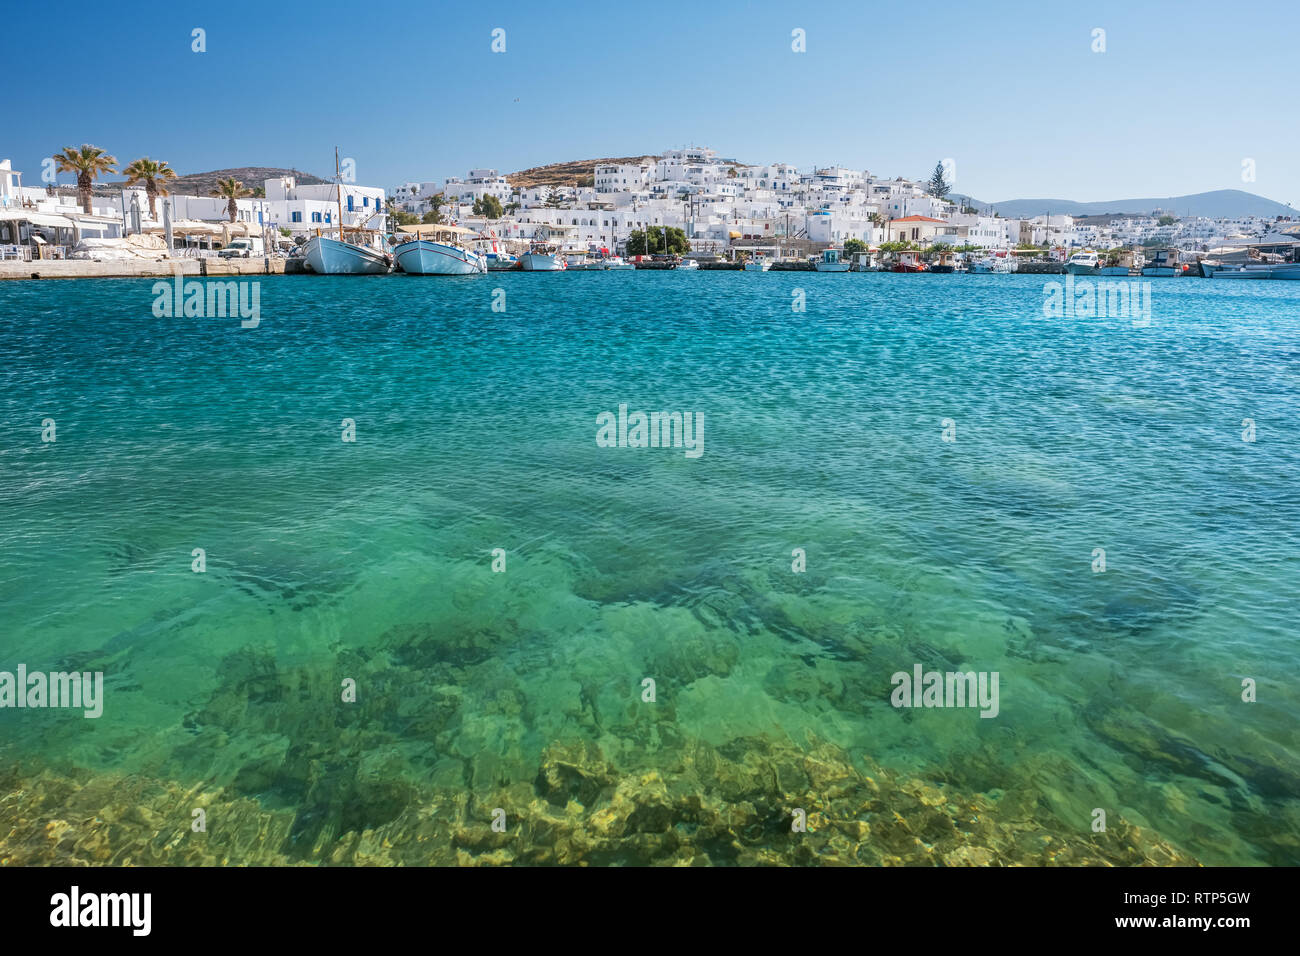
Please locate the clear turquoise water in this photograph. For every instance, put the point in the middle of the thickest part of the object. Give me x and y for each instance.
(476, 430)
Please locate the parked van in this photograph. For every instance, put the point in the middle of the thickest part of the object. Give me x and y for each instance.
(243, 248)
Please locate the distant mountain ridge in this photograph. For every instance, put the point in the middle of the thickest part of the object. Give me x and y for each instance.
(202, 184)
(1219, 204)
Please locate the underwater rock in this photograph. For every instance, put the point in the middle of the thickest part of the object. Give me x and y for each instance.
(733, 805)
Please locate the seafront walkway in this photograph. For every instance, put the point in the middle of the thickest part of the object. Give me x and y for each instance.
(144, 268)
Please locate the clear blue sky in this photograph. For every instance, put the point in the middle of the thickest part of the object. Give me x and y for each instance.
(1011, 91)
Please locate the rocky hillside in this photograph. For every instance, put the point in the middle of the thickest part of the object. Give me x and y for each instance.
(202, 184)
(579, 172)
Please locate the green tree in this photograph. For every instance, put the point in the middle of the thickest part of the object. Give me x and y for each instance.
(231, 189)
(150, 172)
(488, 207)
(404, 218)
(1166, 221)
(88, 162)
(553, 199)
(853, 247)
(435, 203)
(678, 244)
(938, 186)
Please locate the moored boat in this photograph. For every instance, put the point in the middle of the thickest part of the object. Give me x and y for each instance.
(908, 262)
(363, 254)
(1086, 263)
(543, 257)
(335, 257)
(1252, 270)
(1163, 264)
(831, 262)
(498, 259)
(439, 256)
(758, 265)
(945, 265)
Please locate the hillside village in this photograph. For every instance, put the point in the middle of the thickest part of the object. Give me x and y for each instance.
(720, 204)
(722, 208)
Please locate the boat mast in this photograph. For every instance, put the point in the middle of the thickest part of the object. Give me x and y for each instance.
(338, 182)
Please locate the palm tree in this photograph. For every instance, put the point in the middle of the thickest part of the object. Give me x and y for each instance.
(88, 162)
(231, 189)
(149, 172)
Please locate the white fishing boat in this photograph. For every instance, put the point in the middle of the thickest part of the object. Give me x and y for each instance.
(1086, 263)
(688, 265)
(362, 254)
(831, 262)
(440, 255)
(543, 257)
(334, 257)
(616, 264)
(758, 265)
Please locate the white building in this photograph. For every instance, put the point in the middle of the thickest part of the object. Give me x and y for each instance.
(622, 178)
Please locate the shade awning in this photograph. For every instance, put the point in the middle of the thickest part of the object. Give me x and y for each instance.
(423, 227)
(38, 218)
(190, 227)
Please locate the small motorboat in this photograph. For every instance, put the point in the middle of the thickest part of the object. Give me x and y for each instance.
(908, 262)
(831, 262)
(543, 257)
(1086, 263)
(1163, 264)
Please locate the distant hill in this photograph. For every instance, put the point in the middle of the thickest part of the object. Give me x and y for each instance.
(202, 184)
(581, 172)
(578, 172)
(1219, 204)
